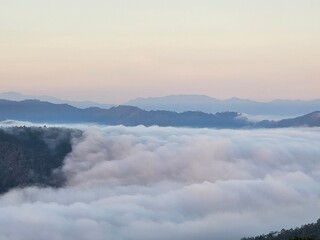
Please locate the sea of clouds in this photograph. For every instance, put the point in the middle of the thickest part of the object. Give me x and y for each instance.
(138, 183)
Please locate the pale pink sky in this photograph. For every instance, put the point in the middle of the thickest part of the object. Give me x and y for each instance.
(113, 51)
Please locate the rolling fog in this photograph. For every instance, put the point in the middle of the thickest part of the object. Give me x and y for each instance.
(143, 183)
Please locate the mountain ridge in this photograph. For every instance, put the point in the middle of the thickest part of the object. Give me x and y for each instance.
(278, 108)
(16, 96)
(180, 103)
(45, 112)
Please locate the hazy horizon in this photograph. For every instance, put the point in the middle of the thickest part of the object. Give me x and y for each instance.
(154, 96)
(113, 51)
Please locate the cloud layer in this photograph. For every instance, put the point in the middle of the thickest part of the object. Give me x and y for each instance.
(173, 183)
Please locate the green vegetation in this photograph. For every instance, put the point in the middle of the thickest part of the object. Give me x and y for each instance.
(305, 232)
(33, 156)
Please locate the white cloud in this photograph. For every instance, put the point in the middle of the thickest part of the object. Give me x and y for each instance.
(173, 183)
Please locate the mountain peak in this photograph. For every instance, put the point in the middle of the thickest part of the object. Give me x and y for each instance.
(314, 115)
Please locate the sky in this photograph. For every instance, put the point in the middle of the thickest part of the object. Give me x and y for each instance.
(113, 51)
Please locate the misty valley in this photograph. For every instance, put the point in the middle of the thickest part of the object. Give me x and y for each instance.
(115, 182)
(160, 120)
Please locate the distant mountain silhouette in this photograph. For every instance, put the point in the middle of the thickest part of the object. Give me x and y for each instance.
(44, 112)
(15, 96)
(181, 103)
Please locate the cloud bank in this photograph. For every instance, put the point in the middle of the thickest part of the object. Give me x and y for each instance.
(173, 183)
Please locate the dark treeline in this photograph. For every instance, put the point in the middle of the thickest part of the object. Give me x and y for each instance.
(33, 156)
(306, 232)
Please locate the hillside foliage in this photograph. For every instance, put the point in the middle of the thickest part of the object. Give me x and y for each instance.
(306, 232)
(33, 156)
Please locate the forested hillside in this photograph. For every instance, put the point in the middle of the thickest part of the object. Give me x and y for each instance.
(33, 156)
(305, 232)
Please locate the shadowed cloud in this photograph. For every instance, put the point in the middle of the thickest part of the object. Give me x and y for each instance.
(173, 183)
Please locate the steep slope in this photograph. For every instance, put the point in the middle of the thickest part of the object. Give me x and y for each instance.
(29, 156)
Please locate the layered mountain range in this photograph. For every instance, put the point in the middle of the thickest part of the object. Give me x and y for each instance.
(45, 112)
(277, 109)
(181, 103)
